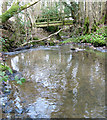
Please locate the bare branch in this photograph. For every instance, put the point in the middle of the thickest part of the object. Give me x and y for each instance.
(42, 38)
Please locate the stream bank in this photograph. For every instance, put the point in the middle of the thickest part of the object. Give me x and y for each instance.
(95, 40)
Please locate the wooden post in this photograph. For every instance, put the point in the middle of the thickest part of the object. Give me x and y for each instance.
(38, 19)
(47, 20)
(63, 19)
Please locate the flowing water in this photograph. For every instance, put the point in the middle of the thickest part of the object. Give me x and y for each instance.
(61, 83)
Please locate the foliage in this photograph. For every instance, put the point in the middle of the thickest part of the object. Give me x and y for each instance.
(23, 27)
(102, 20)
(95, 26)
(55, 12)
(72, 9)
(6, 43)
(4, 77)
(20, 81)
(21, 33)
(17, 31)
(67, 11)
(51, 11)
(52, 29)
(97, 38)
(35, 38)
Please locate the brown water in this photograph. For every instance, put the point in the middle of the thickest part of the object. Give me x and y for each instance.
(60, 84)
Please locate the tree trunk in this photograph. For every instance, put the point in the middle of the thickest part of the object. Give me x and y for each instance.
(86, 8)
(15, 9)
(81, 13)
(4, 6)
(105, 22)
(102, 8)
(91, 19)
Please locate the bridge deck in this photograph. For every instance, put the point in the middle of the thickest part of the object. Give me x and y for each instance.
(54, 23)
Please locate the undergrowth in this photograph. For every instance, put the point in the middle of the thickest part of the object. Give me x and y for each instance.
(97, 38)
(5, 77)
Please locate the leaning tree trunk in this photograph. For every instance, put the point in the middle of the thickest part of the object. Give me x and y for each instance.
(15, 9)
(7, 27)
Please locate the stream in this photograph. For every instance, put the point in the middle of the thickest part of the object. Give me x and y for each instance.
(60, 83)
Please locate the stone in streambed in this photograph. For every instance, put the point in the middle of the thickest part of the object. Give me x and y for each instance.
(77, 49)
(73, 48)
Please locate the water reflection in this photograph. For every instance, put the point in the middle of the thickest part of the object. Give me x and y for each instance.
(14, 63)
(42, 108)
(61, 83)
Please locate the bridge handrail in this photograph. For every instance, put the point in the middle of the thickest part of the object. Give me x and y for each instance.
(49, 18)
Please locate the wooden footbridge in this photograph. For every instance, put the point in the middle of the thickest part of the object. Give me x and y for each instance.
(53, 21)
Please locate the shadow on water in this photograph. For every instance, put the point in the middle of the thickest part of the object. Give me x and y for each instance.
(60, 84)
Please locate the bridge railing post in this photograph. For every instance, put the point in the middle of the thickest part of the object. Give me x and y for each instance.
(62, 18)
(38, 19)
(47, 20)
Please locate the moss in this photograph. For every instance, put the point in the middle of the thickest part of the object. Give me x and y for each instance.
(34, 43)
(35, 38)
(95, 26)
(9, 13)
(23, 31)
(52, 29)
(78, 31)
(86, 25)
(15, 8)
(22, 7)
(42, 43)
(103, 19)
(51, 43)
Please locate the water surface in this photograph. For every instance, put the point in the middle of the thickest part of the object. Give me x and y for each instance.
(61, 83)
